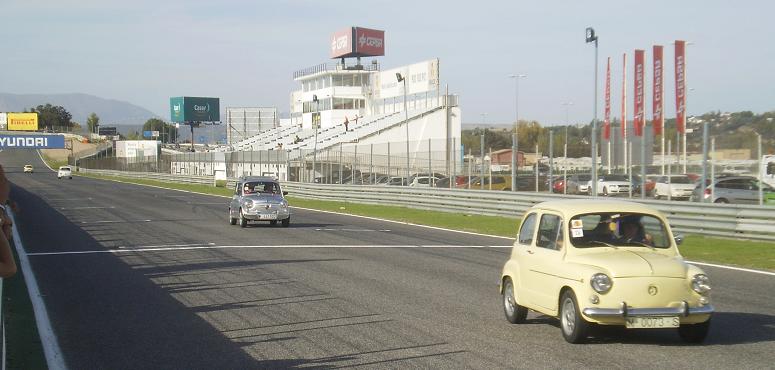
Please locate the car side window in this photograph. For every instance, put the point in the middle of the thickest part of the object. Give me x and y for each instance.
(549, 232)
(236, 189)
(527, 229)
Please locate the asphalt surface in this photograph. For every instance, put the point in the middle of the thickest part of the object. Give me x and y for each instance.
(183, 289)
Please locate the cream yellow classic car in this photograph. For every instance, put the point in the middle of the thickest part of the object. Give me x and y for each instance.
(604, 262)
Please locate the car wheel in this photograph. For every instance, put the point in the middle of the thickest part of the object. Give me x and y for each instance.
(232, 220)
(721, 200)
(243, 222)
(574, 327)
(656, 196)
(273, 222)
(515, 313)
(605, 191)
(287, 222)
(694, 333)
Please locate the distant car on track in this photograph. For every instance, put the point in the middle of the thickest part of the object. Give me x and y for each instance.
(65, 171)
(28, 168)
(259, 198)
(604, 262)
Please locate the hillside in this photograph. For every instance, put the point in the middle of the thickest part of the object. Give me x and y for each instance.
(111, 112)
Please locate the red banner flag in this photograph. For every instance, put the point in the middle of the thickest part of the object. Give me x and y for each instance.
(680, 85)
(638, 119)
(624, 95)
(657, 118)
(607, 116)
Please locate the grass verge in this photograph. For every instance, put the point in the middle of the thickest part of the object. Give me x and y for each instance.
(53, 163)
(23, 347)
(744, 253)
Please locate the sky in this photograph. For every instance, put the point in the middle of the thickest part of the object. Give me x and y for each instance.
(245, 52)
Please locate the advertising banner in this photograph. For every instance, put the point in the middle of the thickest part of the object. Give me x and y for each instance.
(147, 133)
(107, 130)
(369, 43)
(22, 121)
(680, 85)
(420, 78)
(658, 117)
(638, 120)
(607, 114)
(624, 95)
(194, 109)
(3, 121)
(32, 141)
(342, 43)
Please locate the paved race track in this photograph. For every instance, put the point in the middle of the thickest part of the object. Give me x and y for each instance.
(183, 289)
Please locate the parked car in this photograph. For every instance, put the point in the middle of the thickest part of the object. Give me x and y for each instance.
(604, 262)
(558, 185)
(28, 168)
(610, 185)
(578, 184)
(395, 181)
(65, 171)
(499, 182)
(259, 198)
(674, 187)
(423, 181)
(732, 189)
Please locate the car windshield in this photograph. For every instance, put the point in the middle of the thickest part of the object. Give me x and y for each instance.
(618, 229)
(615, 178)
(680, 180)
(261, 187)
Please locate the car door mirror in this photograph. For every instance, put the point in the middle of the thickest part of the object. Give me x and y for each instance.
(679, 239)
(285, 193)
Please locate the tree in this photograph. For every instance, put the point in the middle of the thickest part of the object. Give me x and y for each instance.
(166, 131)
(53, 117)
(93, 123)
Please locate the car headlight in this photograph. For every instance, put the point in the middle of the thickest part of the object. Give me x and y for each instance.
(284, 205)
(248, 204)
(601, 283)
(701, 283)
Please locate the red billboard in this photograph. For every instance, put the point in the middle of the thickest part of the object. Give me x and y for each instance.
(357, 42)
(607, 115)
(624, 95)
(638, 120)
(657, 118)
(680, 85)
(369, 43)
(342, 43)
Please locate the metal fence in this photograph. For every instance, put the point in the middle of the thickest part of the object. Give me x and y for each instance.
(734, 221)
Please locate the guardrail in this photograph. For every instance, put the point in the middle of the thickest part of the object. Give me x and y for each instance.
(724, 220)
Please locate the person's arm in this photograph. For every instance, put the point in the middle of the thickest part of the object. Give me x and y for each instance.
(7, 263)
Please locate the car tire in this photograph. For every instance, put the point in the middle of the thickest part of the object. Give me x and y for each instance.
(573, 326)
(273, 222)
(232, 220)
(605, 191)
(694, 333)
(287, 222)
(515, 313)
(243, 222)
(721, 200)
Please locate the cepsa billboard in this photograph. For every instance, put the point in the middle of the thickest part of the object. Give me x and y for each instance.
(22, 122)
(357, 42)
(194, 109)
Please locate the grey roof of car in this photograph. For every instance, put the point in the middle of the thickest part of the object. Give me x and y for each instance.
(257, 178)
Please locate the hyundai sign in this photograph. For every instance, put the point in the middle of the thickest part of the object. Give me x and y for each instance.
(357, 42)
(32, 141)
(194, 109)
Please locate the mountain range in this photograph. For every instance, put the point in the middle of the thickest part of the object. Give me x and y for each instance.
(111, 112)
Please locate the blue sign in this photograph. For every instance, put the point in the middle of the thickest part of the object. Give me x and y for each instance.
(32, 141)
(147, 133)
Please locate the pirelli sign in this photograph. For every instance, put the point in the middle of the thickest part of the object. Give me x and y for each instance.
(22, 122)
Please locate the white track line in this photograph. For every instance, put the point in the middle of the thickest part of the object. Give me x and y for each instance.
(426, 226)
(732, 268)
(54, 358)
(168, 249)
(44, 161)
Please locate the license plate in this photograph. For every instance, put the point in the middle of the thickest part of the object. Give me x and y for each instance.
(267, 217)
(652, 322)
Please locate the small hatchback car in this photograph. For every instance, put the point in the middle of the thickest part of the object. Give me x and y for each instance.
(65, 171)
(28, 168)
(607, 263)
(259, 199)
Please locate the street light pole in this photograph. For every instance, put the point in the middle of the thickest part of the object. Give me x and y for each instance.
(515, 137)
(565, 150)
(406, 121)
(315, 147)
(481, 151)
(591, 37)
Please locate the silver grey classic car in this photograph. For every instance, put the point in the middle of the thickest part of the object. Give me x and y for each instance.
(259, 198)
